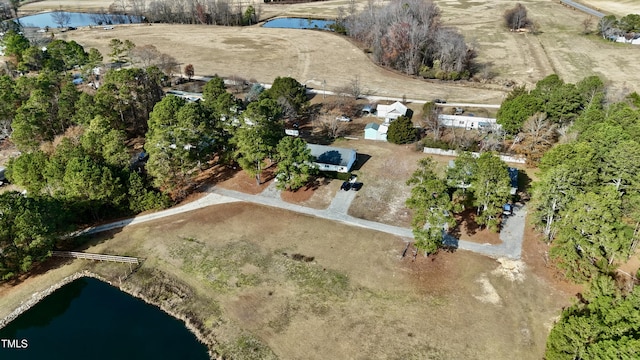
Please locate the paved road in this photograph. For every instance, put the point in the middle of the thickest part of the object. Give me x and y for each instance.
(511, 236)
(583, 8)
(372, 98)
(210, 199)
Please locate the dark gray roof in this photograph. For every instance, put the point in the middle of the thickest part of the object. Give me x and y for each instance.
(331, 155)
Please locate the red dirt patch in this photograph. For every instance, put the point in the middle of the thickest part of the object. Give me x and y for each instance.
(243, 182)
(468, 229)
(535, 255)
(299, 196)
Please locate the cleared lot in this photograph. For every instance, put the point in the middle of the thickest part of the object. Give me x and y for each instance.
(354, 299)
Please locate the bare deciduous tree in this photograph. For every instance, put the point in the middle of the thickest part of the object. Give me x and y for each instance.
(168, 64)
(61, 18)
(329, 125)
(145, 55)
(607, 26)
(537, 136)
(516, 17)
(430, 121)
(189, 71)
(587, 23)
(407, 35)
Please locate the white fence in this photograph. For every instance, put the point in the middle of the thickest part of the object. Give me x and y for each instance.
(99, 257)
(505, 158)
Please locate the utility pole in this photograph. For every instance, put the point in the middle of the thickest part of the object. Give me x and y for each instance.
(324, 84)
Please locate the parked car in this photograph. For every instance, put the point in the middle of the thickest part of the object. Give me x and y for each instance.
(343, 118)
(439, 101)
(356, 186)
(346, 186)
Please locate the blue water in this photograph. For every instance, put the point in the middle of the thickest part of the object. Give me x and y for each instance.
(298, 23)
(78, 19)
(89, 319)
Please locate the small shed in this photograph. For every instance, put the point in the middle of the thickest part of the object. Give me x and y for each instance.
(375, 131)
(368, 109)
(329, 158)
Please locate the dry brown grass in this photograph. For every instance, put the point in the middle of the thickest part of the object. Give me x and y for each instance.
(357, 299)
(312, 56)
(619, 8)
(384, 176)
(263, 54)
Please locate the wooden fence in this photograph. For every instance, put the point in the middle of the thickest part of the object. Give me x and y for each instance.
(99, 257)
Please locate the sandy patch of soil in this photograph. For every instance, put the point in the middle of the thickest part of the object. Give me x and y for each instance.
(489, 294)
(513, 270)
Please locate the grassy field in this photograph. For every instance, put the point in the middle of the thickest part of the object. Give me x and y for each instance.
(311, 57)
(233, 268)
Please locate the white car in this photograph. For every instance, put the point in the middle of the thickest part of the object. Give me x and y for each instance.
(343, 118)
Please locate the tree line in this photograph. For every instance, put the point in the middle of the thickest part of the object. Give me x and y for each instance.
(76, 145)
(207, 12)
(408, 36)
(586, 205)
(586, 200)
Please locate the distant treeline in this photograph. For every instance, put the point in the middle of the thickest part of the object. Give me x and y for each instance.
(209, 12)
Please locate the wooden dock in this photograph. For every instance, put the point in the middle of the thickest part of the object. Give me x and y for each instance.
(98, 257)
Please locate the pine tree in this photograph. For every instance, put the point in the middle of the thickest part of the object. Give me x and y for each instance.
(401, 131)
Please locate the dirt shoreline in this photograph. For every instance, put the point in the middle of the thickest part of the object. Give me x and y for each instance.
(194, 326)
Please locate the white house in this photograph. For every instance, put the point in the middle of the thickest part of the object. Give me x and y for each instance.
(622, 39)
(329, 158)
(391, 112)
(375, 131)
(469, 122)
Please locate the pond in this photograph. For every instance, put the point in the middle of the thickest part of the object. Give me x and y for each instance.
(57, 19)
(298, 23)
(89, 319)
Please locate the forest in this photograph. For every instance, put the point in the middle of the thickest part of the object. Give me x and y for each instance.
(586, 205)
(81, 147)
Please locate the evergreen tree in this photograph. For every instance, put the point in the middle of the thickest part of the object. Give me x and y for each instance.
(491, 188)
(295, 163)
(402, 131)
(603, 326)
(431, 205)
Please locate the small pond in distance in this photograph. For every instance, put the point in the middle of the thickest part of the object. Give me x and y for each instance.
(75, 19)
(89, 319)
(298, 23)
